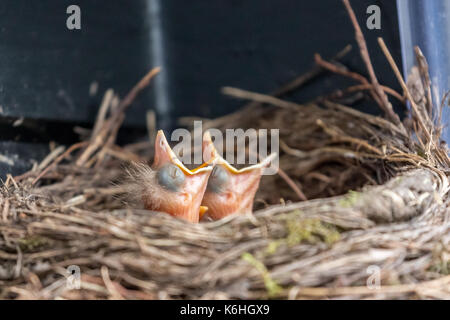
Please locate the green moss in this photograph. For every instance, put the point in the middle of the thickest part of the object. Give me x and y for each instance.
(442, 267)
(440, 262)
(32, 243)
(305, 230)
(310, 230)
(273, 289)
(421, 153)
(350, 199)
(299, 230)
(272, 247)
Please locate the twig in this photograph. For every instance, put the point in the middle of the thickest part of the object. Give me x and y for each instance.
(292, 184)
(258, 97)
(9, 178)
(50, 157)
(346, 73)
(402, 288)
(441, 110)
(115, 121)
(5, 210)
(290, 86)
(386, 105)
(404, 87)
(344, 138)
(361, 87)
(378, 121)
(123, 154)
(339, 70)
(101, 115)
(424, 72)
(59, 159)
(306, 77)
(109, 284)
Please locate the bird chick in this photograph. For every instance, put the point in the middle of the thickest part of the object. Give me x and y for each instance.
(168, 186)
(230, 190)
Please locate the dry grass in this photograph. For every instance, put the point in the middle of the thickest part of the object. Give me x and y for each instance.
(378, 200)
(320, 248)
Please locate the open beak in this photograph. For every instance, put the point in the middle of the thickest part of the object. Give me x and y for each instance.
(177, 190)
(230, 190)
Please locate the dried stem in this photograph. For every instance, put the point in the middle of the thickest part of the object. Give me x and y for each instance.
(386, 105)
(404, 87)
(112, 125)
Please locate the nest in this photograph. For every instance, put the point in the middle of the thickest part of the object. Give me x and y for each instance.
(360, 209)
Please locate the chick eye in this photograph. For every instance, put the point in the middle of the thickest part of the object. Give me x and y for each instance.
(170, 177)
(218, 179)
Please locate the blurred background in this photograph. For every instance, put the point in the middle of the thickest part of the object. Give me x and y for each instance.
(53, 79)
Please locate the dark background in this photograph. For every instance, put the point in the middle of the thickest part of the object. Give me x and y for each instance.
(47, 70)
